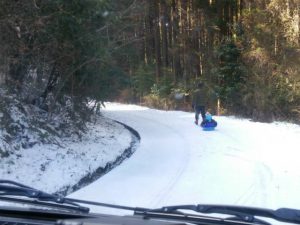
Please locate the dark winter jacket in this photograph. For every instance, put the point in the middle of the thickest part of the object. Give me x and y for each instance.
(200, 97)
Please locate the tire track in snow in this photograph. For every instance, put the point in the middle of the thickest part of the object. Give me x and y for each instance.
(165, 191)
(258, 192)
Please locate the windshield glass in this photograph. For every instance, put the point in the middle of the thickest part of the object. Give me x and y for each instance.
(152, 103)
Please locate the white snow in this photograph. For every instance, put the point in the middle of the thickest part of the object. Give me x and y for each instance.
(240, 163)
(51, 168)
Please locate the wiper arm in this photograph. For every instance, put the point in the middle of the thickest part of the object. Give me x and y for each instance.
(247, 214)
(10, 188)
(241, 215)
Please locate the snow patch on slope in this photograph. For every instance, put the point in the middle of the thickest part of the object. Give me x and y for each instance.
(51, 168)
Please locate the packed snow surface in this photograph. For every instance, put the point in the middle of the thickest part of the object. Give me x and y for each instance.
(240, 163)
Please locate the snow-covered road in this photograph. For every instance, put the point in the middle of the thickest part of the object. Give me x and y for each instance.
(240, 163)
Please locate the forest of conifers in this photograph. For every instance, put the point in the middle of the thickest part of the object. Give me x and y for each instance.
(247, 52)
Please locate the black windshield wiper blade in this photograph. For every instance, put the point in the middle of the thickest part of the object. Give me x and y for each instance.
(241, 215)
(248, 214)
(11, 188)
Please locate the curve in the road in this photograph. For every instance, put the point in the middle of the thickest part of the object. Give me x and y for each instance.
(185, 156)
(91, 177)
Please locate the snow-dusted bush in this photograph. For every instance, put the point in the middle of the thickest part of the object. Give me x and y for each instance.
(23, 124)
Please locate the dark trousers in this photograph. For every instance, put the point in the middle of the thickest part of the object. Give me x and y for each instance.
(199, 109)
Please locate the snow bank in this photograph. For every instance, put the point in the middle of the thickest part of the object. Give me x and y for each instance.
(55, 168)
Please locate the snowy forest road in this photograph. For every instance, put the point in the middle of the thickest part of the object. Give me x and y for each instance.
(178, 163)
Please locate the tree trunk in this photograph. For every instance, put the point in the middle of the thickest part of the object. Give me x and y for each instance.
(154, 12)
(164, 34)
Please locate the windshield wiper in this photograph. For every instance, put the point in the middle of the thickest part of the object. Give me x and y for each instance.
(11, 188)
(247, 214)
(239, 215)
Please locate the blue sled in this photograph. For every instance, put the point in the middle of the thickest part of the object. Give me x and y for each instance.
(209, 125)
(208, 128)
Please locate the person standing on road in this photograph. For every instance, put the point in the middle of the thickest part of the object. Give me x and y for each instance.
(199, 101)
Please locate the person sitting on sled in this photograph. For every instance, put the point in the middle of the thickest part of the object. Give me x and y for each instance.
(209, 121)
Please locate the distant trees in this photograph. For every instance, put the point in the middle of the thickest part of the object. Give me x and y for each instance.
(246, 51)
(181, 38)
(60, 47)
(56, 57)
(271, 56)
(230, 76)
